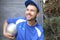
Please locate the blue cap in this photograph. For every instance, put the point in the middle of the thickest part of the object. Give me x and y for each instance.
(32, 2)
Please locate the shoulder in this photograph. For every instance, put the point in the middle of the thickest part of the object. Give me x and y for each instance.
(14, 20)
(21, 20)
(11, 20)
(40, 27)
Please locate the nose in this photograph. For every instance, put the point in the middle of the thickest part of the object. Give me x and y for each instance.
(28, 11)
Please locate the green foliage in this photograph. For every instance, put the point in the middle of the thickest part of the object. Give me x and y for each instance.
(52, 28)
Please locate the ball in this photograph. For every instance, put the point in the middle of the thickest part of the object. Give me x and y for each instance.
(11, 28)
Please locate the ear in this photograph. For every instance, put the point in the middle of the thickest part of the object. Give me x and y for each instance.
(38, 14)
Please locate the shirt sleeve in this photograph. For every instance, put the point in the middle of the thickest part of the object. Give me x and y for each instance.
(41, 37)
(13, 20)
(42, 33)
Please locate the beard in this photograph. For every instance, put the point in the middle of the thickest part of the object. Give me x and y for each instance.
(32, 19)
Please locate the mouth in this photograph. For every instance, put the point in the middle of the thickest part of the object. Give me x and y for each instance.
(28, 15)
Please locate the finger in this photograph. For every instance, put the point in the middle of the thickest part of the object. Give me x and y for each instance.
(11, 37)
(9, 34)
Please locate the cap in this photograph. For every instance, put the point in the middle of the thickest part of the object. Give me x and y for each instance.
(32, 2)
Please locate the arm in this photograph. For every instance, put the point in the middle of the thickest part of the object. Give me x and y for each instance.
(5, 34)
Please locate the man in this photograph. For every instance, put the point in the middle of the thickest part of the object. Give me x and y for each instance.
(28, 28)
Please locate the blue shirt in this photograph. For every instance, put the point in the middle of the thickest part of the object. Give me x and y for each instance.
(26, 32)
(15, 20)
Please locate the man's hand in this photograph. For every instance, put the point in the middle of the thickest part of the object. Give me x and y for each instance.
(9, 36)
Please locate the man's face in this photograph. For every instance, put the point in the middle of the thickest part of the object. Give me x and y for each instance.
(31, 12)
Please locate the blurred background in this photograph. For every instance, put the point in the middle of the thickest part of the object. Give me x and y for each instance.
(12, 9)
(51, 20)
